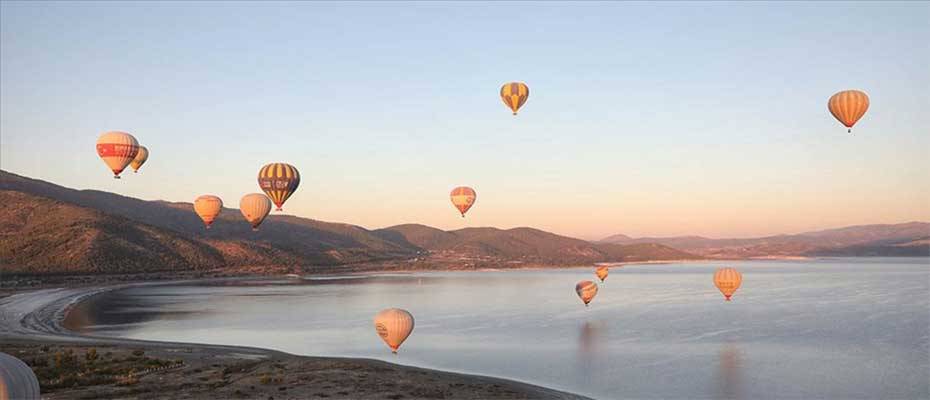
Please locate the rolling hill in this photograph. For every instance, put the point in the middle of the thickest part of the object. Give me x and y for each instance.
(524, 244)
(49, 228)
(906, 239)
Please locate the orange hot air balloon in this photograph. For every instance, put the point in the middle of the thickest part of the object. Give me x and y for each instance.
(463, 197)
(848, 106)
(117, 149)
(208, 207)
(601, 272)
(394, 326)
(514, 95)
(727, 280)
(255, 207)
(586, 290)
(279, 181)
(140, 159)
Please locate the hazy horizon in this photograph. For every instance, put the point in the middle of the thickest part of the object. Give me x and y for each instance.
(644, 119)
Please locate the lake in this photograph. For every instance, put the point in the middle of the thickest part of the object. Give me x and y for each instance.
(829, 328)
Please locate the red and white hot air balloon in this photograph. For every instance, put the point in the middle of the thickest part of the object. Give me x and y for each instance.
(117, 149)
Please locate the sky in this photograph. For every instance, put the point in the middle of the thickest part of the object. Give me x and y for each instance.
(648, 119)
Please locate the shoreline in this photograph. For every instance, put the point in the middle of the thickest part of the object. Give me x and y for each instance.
(32, 320)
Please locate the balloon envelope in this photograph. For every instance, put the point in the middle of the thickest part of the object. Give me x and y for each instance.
(394, 326)
(727, 280)
(255, 207)
(586, 290)
(208, 207)
(279, 181)
(463, 197)
(848, 106)
(141, 157)
(17, 380)
(514, 95)
(117, 149)
(601, 272)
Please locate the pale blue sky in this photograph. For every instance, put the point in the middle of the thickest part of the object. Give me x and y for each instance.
(643, 118)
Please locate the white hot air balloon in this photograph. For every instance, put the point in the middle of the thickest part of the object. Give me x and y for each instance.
(255, 207)
(17, 381)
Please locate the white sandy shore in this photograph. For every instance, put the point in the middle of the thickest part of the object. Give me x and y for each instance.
(36, 317)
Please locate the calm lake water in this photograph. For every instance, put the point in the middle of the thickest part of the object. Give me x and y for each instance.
(836, 328)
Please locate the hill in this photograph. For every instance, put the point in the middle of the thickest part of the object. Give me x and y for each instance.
(526, 245)
(906, 239)
(49, 228)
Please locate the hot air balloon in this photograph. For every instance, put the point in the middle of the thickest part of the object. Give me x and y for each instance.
(727, 280)
(140, 159)
(586, 291)
(17, 380)
(208, 207)
(279, 181)
(601, 272)
(848, 106)
(463, 197)
(514, 95)
(255, 207)
(394, 325)
(117, 149)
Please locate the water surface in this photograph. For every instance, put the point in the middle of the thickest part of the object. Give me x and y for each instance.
(835, 328)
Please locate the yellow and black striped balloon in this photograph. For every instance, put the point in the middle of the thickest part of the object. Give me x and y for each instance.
(279, 181)
(514, 95)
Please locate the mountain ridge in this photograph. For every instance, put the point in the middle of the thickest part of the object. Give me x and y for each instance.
(97, 231)
(871, 239)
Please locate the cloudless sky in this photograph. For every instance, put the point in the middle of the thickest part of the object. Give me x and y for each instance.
(643, 118)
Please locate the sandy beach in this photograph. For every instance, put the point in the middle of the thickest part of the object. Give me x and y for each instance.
(31, 329)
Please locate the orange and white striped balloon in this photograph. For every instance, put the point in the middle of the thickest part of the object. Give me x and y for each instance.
(255, 207)
(208, 207)
(727, 280)
(586, 290)
(117, 149)
(848, 107)
(463, 197)
(140, 159)
(601, 272)
(514, 95)
(394, 325)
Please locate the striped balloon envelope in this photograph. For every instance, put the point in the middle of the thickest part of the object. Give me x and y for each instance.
(254, 208)
(394, 325)
(117, 149)
(514, 95)
(848, 107)
(463, 197)
(207, 208)
(279, 181)
(141, 157)
(727, 281)
(601, 272)
(586, 290)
